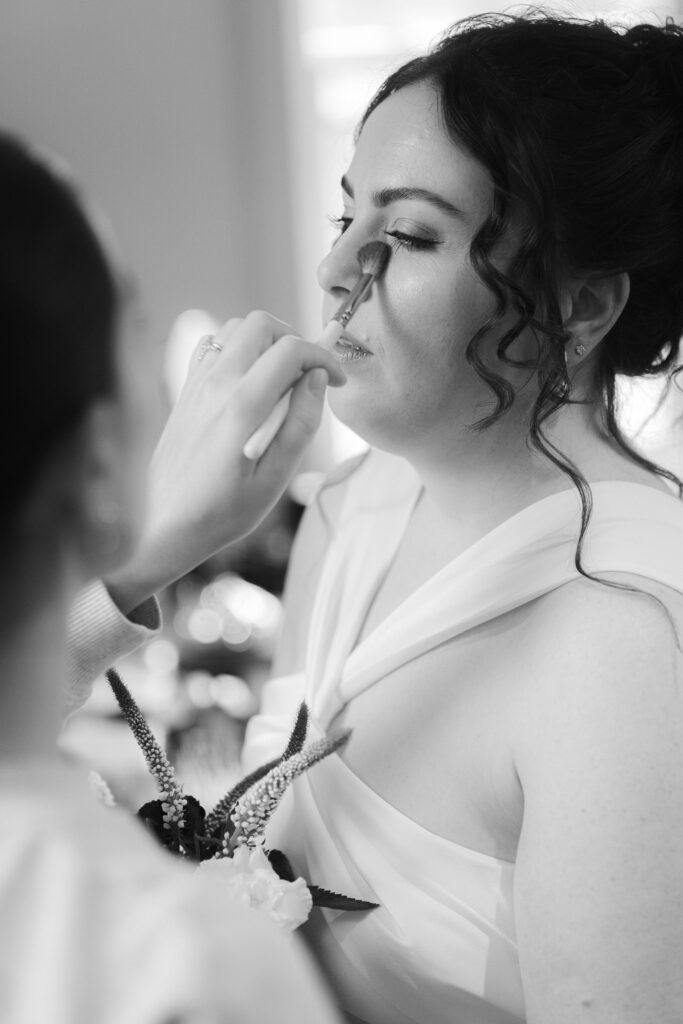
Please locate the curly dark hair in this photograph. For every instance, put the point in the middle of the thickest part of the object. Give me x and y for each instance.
(581, 126)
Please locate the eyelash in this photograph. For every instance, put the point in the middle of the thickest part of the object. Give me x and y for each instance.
(341, 223)
(410, 242)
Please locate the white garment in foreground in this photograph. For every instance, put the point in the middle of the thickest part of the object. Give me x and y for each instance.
(441, 949)
(100, 926)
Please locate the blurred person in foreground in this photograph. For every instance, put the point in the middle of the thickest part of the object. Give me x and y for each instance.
(98, 924)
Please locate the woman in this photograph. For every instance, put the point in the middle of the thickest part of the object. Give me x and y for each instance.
(492, 599)
(98, 925)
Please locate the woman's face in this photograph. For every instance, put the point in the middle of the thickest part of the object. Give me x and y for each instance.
(412, 187)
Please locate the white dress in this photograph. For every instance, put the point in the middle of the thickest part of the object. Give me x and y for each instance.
(441, 948)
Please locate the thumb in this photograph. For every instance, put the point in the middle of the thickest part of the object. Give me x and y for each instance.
(316, 382)
(306, 406)
(303, 419)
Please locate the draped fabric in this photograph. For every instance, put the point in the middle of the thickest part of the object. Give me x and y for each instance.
(441, 947)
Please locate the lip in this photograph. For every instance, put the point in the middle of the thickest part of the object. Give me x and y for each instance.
(353, 343)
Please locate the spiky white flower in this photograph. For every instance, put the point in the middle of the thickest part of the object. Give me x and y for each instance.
(171, 792)
(100, 788)
(256, 807)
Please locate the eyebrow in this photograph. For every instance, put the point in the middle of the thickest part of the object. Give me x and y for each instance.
(385, 196)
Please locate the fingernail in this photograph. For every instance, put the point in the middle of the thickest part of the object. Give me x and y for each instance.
(316, 381)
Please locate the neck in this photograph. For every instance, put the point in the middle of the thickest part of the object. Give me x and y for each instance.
(480, 478)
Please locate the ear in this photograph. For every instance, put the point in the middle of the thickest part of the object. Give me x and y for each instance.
(590, 307)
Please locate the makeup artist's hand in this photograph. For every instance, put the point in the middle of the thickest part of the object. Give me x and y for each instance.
(203, 492)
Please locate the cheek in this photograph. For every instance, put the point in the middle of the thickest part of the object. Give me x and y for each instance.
(429, 319)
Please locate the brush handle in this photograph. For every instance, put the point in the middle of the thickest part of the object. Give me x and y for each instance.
(261, 438)
(331, 335)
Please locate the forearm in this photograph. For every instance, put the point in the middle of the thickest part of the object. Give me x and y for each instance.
(169, 548)
(133, 587)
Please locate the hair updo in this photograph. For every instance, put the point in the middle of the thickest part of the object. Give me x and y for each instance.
(58, 312)
(580, 125)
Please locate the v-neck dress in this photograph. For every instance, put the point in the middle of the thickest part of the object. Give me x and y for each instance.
(441, 948)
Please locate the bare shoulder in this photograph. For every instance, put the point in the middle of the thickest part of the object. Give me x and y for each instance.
(589, 633)
(598, 755)
(604, 676)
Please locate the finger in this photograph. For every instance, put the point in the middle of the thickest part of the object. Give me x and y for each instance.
(226, 331)
(249, 340)
(278, 370)
(207, 348)
(237, 343)
(299, 428)
(205, 355)
(289, 358)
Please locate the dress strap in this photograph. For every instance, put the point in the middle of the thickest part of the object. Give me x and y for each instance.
(634, 530)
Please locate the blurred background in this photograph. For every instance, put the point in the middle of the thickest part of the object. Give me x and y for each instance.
(213, 134)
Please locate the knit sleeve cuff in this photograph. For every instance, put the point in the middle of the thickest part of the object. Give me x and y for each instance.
(99, 634)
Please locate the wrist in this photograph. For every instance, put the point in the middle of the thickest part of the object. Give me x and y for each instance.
(154, 566)
(131, 601)
(133, 585)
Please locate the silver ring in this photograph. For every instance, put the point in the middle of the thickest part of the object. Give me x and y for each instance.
(206, 343)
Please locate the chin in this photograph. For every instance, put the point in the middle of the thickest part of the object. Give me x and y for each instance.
(377, 427)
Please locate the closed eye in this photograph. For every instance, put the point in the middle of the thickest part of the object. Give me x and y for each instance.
(341, 223)
(411, 242)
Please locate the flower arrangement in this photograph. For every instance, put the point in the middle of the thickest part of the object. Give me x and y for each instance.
(229, 841)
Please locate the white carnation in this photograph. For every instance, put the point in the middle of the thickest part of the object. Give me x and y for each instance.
(251, 880)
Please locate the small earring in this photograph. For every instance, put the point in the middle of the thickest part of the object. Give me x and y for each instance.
(580, 350)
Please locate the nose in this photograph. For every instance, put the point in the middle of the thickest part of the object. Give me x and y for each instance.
(339, 270)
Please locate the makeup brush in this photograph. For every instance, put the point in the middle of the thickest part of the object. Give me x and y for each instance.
(373, 258)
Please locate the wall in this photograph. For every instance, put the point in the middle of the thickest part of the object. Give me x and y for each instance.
(170, 111)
